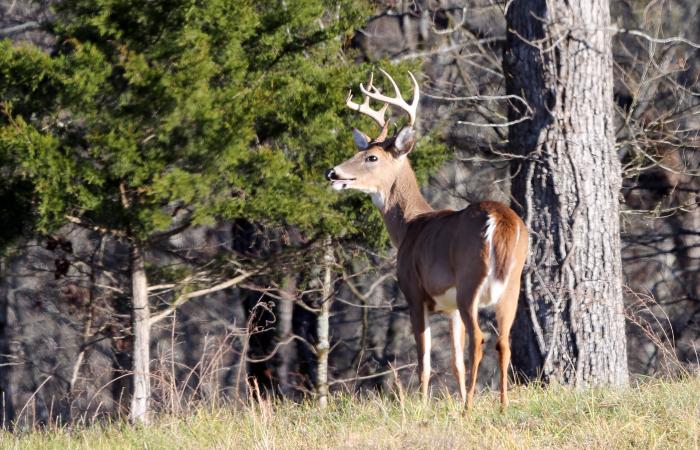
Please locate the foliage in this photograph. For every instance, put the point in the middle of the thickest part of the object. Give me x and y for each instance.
(21, 77)
(151, 113)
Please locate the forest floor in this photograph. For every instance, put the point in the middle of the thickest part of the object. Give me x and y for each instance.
(653, 414)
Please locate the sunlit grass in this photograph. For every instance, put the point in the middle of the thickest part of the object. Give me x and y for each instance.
(654, 414)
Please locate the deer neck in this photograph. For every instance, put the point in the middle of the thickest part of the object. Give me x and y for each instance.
(401, 203)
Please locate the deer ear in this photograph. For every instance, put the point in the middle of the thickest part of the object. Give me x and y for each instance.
(361, 139)
(405, 141)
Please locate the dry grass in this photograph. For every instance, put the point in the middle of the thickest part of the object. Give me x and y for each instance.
(654, 414)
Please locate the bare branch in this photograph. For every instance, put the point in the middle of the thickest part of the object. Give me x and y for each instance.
(161, 287)
(371, 289)
(184, 298)
(27, 26)
(374, 375)
(486, 125)
(103, 230)
(670, 40)
(281, 344)
(485, 98)
(171, 232)
(445, 49)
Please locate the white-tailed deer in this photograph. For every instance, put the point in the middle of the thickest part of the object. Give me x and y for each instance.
(448, 261)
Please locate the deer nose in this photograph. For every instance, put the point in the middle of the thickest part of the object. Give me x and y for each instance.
(330, 175)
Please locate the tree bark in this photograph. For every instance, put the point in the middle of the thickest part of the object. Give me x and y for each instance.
(141, 395)
(6, 400)
(323, 344)
(283, 331)
(570, 326)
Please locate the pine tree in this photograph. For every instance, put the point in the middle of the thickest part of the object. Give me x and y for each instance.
(150, 117)
(153, 116)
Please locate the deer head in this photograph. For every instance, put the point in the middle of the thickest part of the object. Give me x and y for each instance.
(379, 161)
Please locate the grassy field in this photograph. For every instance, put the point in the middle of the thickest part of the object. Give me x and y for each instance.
(652, 415)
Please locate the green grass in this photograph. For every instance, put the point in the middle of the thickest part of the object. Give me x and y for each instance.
(654, 414)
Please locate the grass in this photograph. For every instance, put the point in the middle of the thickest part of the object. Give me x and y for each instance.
(654, 414)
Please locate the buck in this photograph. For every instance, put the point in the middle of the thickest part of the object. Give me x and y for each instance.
(453, 262)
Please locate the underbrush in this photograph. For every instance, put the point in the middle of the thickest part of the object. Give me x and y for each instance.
(652, 414)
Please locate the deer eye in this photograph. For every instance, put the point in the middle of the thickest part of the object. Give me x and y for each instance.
(371, 158)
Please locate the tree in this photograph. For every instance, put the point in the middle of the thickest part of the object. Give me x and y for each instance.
(151, 117)
(567, 182)
(323, 346)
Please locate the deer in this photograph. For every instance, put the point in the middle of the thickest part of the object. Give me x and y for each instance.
(450, 262)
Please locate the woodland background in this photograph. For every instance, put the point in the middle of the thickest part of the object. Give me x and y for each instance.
(66, 345)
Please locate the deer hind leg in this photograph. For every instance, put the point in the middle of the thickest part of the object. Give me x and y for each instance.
(457, 333)
(505, 314)
(468, 302)
(421, 332)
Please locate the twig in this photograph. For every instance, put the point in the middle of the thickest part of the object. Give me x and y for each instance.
(103, 230)
(32, 396)
(190, 295)
(374, 375)
(445, 49)
(670, 40)
(279, 345)
(497, 125)
(27, 26)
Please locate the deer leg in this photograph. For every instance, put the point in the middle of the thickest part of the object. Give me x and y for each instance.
(421, 332)
(505, 314)
(476, 339)
(457, 333)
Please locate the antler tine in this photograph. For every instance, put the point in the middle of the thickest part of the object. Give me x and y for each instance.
(398, 100)
(364, 108)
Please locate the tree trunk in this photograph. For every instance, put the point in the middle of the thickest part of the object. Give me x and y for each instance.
(570, 325)
(141, 395)
(6, 401)
(323, 345)
(283, 330)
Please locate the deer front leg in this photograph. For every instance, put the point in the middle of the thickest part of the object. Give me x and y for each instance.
(421, 331)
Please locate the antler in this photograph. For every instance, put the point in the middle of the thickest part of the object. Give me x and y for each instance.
(374, 93)
(364, 108)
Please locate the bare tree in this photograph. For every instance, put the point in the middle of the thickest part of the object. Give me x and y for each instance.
(322, 325)
(141, 355)
(567, 183)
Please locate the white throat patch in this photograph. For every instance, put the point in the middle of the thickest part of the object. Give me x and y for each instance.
(377, 196)
(377, 199)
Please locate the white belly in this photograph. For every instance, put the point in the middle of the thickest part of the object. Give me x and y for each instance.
(447, 301)
(488, 295)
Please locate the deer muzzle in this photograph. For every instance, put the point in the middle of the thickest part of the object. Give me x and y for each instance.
(337, 182)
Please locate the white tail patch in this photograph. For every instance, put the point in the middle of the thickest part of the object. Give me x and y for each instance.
(492, 288)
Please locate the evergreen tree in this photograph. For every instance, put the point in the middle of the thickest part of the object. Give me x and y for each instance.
(151, 116)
